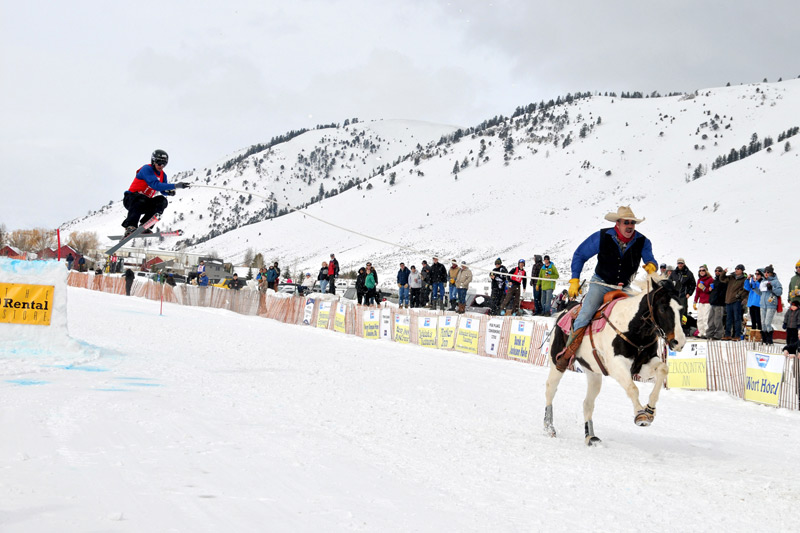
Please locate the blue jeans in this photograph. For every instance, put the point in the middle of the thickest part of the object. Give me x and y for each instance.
(453, 293)
(733, 320)
(537, 300)
(438, 291)
(592, 302)
(767, 314)
(323, 286)
(547, 297)
(403, 294)
(462, 296)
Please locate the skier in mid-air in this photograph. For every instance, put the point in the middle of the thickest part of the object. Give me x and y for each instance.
(140, 199)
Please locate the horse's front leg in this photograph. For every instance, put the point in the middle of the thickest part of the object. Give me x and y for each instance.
(550, 392)
(660, 372)
(593, 383)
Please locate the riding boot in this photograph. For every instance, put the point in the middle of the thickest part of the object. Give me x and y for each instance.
(565, 356)
(768, 339)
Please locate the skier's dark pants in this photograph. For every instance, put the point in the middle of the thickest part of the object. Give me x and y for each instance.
(415, 296)
(141, 208)
(497, 297)
(332, 284)
(755, 317)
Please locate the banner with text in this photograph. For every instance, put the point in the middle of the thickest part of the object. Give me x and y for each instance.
(324, 314)
(447, 331)
(519, 342)
(493, 329)
(763, 376)
(688, 368)
(371, 325)
(339, 317)
(26, 304)
(402, 328)
(467, 336)
(426, 331)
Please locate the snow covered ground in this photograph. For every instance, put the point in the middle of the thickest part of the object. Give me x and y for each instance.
(203, 420)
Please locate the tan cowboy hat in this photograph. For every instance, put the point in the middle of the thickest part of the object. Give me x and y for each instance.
(624, 212)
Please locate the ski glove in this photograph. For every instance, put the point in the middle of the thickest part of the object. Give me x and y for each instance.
(574, 288)
(182, 185)
(650, 268)
(769, 286)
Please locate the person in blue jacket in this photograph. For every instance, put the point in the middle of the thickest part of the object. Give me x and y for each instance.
(753, 286)
(403, 289)
(770, 296)
(619, 251)
(140, 199)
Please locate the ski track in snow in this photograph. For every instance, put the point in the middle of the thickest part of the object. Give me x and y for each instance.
(202, 419)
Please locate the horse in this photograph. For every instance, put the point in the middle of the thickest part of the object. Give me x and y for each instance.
(628, 345)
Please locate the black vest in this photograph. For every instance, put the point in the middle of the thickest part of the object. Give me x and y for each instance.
(614, 268)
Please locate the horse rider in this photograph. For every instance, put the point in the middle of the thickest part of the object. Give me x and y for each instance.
(619, 251)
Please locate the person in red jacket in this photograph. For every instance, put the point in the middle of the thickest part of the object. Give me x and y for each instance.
(140, 199)
(516, 277)
(702, 303)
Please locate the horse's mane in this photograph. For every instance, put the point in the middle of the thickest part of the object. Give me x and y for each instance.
(643, 285)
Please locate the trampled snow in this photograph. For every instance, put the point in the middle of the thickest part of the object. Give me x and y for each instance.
(204, 420)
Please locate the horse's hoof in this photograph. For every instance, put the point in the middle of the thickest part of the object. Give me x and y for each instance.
(643, 418)
(550, 431)
(592, 441)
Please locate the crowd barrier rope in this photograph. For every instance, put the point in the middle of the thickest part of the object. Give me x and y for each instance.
(482, 335)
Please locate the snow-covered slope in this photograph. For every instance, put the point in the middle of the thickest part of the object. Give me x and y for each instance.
(541, 182)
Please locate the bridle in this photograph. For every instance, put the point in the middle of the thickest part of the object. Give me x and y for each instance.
(648, 317)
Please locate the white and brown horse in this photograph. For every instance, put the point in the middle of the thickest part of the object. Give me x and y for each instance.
(628, 345)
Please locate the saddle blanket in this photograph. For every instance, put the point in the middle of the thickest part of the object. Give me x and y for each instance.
(598, 324)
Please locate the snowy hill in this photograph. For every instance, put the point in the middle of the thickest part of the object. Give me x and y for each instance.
(539, 182)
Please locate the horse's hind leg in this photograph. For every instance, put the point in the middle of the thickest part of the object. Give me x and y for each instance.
(550, 391)
(593, 384)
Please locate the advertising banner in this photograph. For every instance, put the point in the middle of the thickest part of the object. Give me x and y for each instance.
(467, 336)
(519, 341)
(447, 332)
(26, 304)
(309, 311)
(324, 314)
(426, 331)
(763, 376)
(402, 329)
(338, 318)
(688, 368)
(386, 324)
(493, 328)
(371, 325)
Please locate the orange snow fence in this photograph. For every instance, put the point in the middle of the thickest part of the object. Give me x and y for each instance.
(522, 339)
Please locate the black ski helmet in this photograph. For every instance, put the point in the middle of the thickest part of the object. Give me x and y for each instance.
(160, 157)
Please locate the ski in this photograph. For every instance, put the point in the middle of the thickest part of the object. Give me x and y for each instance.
(136, 233)
(176, 233)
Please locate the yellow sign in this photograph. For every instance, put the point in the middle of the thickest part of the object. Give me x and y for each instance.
(323, 315)
(371, 327)
(763, 376)
(519, 342)
(447, 331)
(467, 338)
(402, 329)
(338, 318)
(26, 304)
(426, 331)
(688, 368)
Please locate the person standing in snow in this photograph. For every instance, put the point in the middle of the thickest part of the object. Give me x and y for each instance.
(425, 291)
(371, 283)
(438, 277)
(770, 297)
(734, 295)
(453, 290)
(140, 199)
(547, 270)
(702, 302)
(333, 273)
(498, 278)
(716, 327)
(322, 277)
(517, 282)
(402, 286)
(684, 281)
(463, 280)
(753, 286)
(414, 286)
(794, 284)
(361, 289)
(537, 290)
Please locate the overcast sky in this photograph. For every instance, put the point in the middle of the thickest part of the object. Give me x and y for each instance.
(88, 89)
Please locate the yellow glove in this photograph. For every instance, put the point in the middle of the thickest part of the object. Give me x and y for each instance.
(694, 306)
(574, 288)
(650, 268)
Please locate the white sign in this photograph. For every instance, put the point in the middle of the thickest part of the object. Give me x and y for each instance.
(386, 324)
(493, 329)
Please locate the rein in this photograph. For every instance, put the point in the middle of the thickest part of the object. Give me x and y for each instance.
(649, 317)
